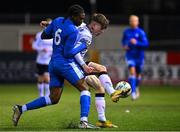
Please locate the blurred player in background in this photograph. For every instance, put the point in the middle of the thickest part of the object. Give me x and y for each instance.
(64, 33)
(134, 41)
(44, 52)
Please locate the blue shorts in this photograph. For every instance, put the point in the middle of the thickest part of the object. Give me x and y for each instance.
(138, 64)
(64, 70)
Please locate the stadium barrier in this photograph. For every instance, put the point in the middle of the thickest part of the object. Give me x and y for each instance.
(17, 67)
(160, 67)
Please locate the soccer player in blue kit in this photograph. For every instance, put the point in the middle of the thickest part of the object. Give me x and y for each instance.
(64, 33)
(134, 41)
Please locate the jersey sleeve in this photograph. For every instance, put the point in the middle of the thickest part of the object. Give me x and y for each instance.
(70, 47)
(143, 43)
(36, 43)
(48, 31)
(79, 59)
(125, 40)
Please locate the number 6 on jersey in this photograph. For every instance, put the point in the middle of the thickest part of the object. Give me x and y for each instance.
(57, 36)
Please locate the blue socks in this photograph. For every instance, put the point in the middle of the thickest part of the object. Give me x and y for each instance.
(132, 81)
(38, 103)
(138, 80)
(85, 101)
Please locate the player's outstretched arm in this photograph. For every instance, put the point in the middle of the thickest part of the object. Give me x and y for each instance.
(79, 59)
(81, 62)
(144, 41)
(70, 47)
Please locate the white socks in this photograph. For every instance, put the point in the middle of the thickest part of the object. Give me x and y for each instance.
(43, 89)
(24, 108)
(100, 106)
(47, 91)
(106, 83)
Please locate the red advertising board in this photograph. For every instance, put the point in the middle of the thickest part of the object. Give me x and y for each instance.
(173, 58)
(27, 39)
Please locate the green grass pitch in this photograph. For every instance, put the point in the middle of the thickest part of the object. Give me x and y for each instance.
(157, 109)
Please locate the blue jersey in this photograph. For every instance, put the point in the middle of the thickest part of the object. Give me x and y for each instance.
(62, 65)
(135, 51)
(64, 34)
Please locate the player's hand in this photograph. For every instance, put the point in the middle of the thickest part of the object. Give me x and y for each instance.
(133, 41)
(44, 24)
(87, 68)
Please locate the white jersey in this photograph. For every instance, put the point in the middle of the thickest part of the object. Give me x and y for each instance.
(84, 33)
(43, 48)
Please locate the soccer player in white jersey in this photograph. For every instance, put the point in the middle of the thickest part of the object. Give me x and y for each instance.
(97, 25)
(44, 52)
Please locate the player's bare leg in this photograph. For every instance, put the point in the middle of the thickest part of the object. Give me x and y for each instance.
(40, 85)
(94, 82)
(106, 81)
(82, 85)
(54, 97)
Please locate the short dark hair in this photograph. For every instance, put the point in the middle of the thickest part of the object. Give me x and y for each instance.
(75, 10)
(101, 19)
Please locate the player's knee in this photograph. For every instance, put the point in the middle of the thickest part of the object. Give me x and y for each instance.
(40, 79)
(103, 68)
(55, 94)
(40, 82)
(46, 79)
(100, 90)
(93, 81)
(132, 71)
(82, 85)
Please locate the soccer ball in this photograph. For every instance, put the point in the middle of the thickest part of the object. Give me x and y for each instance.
(125, 87)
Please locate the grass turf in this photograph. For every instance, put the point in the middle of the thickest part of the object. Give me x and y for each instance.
(157, 109)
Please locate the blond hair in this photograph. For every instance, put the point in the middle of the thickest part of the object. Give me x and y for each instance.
(133, 16)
